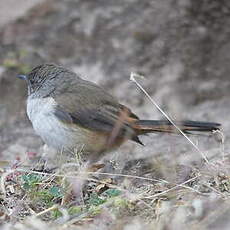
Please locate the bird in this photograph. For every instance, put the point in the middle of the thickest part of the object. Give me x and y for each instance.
(70, 113)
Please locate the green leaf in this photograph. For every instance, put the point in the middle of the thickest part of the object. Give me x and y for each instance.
(55, 191)
(30, 180)
(56, 213)
(74, 210)
(95, 210)
(95, 200)
(112, 192)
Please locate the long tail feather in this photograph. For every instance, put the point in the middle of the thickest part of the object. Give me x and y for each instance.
(148, 126)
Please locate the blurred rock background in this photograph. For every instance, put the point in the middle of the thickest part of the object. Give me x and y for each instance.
(181, 46)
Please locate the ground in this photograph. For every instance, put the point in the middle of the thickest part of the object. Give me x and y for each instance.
(182, 49)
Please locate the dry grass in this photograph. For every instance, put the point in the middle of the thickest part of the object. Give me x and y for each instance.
(36, 199)
(158, 194)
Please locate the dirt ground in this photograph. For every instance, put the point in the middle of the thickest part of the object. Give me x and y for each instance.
(182, 49)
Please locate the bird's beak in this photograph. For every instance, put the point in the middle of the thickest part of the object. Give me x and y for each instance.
(23, 77)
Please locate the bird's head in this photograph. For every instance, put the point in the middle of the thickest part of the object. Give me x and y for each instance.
(39, 75)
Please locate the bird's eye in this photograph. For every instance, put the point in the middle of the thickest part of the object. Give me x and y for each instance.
(21, 76)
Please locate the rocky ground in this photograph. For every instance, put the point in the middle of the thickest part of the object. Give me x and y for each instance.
(182, 49)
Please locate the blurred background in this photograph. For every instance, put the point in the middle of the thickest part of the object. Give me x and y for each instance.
(182, 47)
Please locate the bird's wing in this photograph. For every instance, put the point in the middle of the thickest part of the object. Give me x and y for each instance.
(90, 106)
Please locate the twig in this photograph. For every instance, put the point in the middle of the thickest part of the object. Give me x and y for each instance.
(47, 210)
(173, 188)
(132, 78)
(111, 174)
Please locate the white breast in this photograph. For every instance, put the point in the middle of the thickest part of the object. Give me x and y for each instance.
(54, 132)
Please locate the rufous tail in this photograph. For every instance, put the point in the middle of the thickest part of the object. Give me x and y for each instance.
(149, 126)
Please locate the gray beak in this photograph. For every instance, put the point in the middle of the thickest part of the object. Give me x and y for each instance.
(23, 77)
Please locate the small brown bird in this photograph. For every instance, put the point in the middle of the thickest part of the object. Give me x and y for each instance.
(70, 113)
